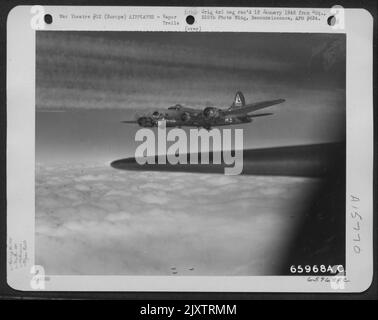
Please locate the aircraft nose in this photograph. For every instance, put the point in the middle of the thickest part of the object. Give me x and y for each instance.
(145, 122)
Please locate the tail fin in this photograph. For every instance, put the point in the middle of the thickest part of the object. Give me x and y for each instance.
(239, 101)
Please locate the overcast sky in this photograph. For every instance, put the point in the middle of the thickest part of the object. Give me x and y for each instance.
(133, 72)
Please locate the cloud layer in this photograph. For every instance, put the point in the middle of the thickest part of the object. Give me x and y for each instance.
(97, 220)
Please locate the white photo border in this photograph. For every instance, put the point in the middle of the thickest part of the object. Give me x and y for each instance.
(21, 59)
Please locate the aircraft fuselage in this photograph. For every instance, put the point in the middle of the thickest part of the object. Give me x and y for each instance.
(186, 117)
(180, 116)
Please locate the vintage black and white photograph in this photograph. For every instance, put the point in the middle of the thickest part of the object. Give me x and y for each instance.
(150, 152)
(99, 214)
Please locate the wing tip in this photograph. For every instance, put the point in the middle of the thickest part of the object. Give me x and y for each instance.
(128, 121)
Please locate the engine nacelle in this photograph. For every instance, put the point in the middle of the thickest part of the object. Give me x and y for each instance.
(156, 115)
(145, 122)
(186, 117)
(211, 113)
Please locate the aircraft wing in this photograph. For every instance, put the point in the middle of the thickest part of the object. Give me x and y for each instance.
(129, 121)
(253, 107)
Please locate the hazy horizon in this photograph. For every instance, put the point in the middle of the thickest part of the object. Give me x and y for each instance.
(101, 78)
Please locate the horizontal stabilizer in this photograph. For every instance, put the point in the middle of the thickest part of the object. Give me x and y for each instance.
(259, 115)
(263, 104)
(254, 106)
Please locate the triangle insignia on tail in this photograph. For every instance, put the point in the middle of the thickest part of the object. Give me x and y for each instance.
(239, 100)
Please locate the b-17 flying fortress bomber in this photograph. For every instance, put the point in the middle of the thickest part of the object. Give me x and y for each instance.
(180, 116)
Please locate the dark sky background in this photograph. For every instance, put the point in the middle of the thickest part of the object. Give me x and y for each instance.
(97, 79)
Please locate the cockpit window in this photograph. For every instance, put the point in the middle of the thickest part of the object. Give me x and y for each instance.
(176, 107)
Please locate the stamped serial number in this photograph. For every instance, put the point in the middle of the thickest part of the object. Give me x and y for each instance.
(299, 269)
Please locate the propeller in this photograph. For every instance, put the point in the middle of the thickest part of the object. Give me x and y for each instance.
(137, 116)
